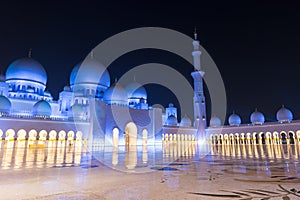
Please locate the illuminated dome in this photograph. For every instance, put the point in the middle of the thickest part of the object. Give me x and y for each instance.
(284, 115)
(5, 105)
(257, 117)
(136, 91)
(67, 88)
(171, 121)
(234, 120)
(116, 94)
(42, 109)
(90, 71)
(186, 121)
(215, 122)
(26, 69)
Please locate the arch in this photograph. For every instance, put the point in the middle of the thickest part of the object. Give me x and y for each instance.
(291, 136)
(262, 138)
(226, 138)
(166, 137)
(10, 134)
(242, 138)
(43, 135)
(71, 135)
(162, 136)
(255, 138)
(237, 138)
(78, 136)
(115, 137)
(298, 135)
(21, 134)
(189, 137)
(130, 134)
(268, 138)
(52, 135)
(1, 134)
(174, 136)
(145, 136)
(62, 135)
(283, 137)
(216, 138)
(32, 134)
(193, 137)
(276, 137)
(231, 137)
(212, 139)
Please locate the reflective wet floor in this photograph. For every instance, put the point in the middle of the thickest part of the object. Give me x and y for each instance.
(184, 170)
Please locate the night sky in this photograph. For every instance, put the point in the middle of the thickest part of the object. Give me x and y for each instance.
(255, 46)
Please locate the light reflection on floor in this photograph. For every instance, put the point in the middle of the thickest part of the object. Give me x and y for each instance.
(181, 167)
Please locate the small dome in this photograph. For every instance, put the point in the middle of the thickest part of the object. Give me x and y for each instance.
(5, 105)
(116, 94)
(91, 72)
(257, 118)
(171, 105)
(284, 115)
(136, 91)
(67, 88)
(171, 121)
(186, 121)
(42, 108)
(215, 122)
(234, 120)
(26, 69)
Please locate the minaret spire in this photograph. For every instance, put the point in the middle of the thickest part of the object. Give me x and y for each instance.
(199, 98)
(30, 53)
(195, 33)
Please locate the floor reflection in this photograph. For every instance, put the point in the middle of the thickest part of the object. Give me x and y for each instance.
(25, 154)
(271, 160)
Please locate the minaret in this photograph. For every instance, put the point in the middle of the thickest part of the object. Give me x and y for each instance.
(199, 98)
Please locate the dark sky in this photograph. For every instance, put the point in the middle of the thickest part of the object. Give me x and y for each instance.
(255, 45)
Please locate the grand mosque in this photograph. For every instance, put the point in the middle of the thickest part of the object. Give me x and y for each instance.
(93, 109)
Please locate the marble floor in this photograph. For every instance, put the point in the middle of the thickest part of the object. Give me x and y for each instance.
(183, 170)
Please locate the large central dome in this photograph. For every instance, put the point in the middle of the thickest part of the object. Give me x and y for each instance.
(26, 69)
(90, 71)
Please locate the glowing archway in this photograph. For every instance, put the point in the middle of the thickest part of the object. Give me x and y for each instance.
(115, 137)
(43, 135)
(145, 136)
(21, 135)
(62, 135)
(130, 134)
(32, 135)
(78, 136)
(52, 135)
(10, 134)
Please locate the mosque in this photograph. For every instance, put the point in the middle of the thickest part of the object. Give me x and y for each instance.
(93, 109)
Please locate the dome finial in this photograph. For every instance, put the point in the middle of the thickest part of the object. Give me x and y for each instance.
(255, 109)
(282, 105)
(116, 80)
(195, 33)
(30, 53)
